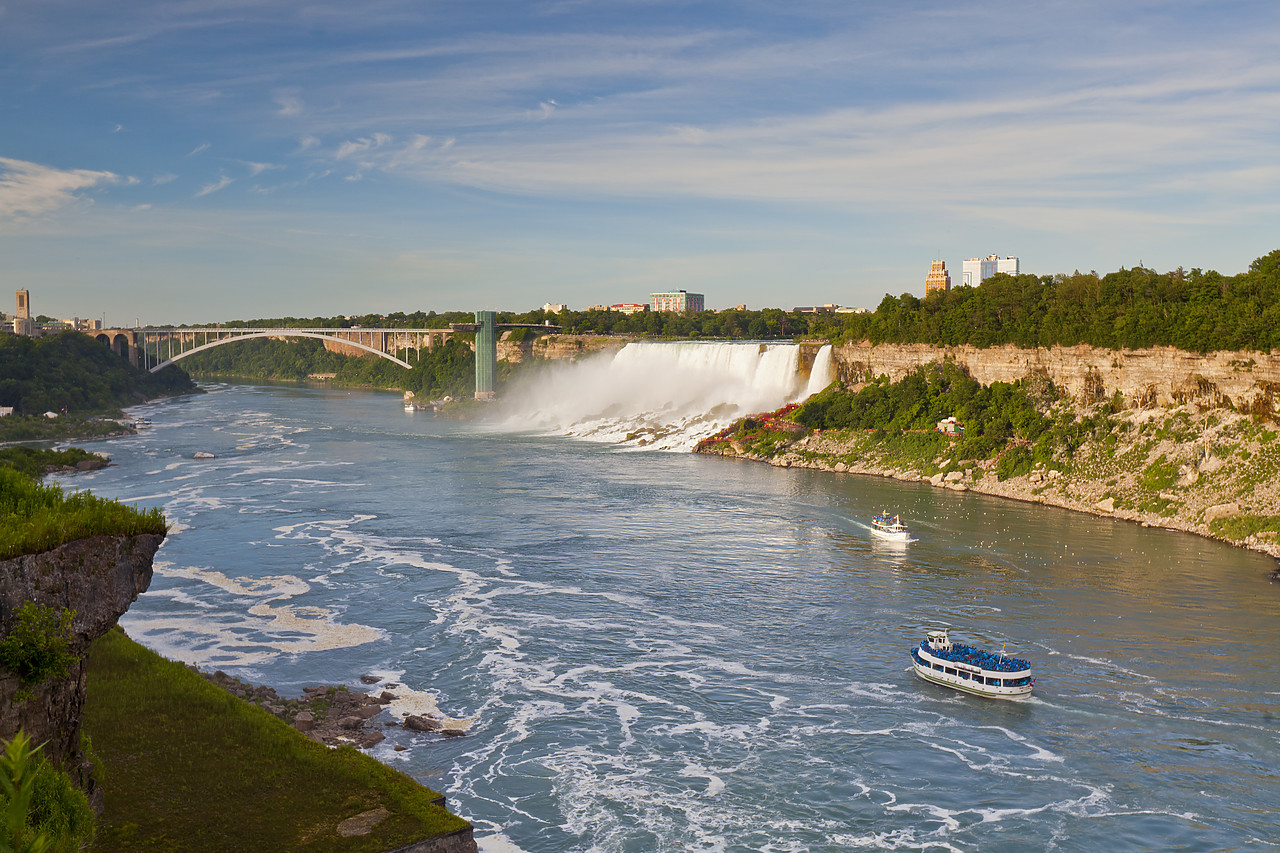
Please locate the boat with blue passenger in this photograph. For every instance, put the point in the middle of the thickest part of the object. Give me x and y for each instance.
(889, 527)
(996, 676)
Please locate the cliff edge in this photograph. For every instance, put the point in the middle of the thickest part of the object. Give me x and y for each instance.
(97, 578)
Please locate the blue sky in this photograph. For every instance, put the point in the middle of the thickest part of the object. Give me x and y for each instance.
(205, 160)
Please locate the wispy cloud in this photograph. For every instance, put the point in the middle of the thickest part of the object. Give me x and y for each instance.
(30, 189)
(220, 184)
(199, 149)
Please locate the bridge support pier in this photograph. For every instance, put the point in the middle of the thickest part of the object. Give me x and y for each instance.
(486, 353)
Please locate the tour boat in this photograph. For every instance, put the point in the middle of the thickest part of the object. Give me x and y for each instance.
(996, 676)
(890, 527)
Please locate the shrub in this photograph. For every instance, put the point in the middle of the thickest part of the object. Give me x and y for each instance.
(42, 809)
(36, 649)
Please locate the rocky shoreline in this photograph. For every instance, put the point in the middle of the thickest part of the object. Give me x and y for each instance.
(337, 715)
(1220, 466)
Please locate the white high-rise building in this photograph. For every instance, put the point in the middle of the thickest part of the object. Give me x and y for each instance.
(975, 270)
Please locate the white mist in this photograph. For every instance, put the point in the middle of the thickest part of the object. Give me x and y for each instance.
(663, 396)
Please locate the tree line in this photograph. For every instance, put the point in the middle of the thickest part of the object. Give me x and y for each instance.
(1196, 310)
(72, 373)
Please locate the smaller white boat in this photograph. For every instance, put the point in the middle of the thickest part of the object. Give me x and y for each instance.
(890, 527)
(962, 667)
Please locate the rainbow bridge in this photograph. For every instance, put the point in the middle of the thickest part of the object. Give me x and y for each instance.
(155, 348)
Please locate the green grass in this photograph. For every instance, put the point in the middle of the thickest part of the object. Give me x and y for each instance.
(36, 518)
(34, 461)
(190, 767)
(40, 428)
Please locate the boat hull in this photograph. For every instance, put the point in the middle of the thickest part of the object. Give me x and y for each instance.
(971, 679)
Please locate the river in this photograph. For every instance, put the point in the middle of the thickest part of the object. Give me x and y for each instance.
(660, 651)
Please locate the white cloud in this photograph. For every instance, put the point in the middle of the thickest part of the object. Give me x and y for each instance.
(217, 185)
(288, 105)
(202, 147)
(30, 189)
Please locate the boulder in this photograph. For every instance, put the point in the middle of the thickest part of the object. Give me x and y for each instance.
(350, 722)
(421, 724)
(1106, 505)
(305, 721)
(1221, 511)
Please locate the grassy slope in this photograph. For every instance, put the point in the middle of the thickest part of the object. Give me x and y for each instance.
(36, 518)
(188, 767)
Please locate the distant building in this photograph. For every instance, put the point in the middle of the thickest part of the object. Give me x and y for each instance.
(554, 307)
(977, 270)
(679, 301)
(938, 280)
(629, 307)
(22, 322)
(853, 310)
(950, 426)
(816, 309)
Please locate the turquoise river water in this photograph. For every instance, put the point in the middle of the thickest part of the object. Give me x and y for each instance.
(659, 651)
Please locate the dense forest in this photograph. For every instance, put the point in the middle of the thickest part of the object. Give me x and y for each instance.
(73, 373)
(1131, 308)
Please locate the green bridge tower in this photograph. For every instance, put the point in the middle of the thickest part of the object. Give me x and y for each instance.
(486, 353)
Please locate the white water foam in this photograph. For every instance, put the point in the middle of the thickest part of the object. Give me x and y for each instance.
(663, 396)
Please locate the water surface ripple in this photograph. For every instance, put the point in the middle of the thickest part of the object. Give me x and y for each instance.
(665, 652)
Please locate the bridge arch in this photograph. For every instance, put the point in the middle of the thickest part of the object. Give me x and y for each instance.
(279, 333)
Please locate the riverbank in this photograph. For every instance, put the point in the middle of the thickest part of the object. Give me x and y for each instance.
(1212, 472)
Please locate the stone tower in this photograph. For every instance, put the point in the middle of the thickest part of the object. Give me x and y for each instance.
(22, 322)
(938, 279)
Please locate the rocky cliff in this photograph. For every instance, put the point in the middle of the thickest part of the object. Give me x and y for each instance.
(1148, 378)
(96, 578)
(557, 347)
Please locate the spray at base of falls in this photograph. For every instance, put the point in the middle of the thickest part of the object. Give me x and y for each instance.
(661, 396)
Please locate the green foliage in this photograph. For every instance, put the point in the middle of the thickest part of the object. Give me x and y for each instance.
(1243, 526)
(36, 518)
(1134, 308)
(1014, 462)
(73, 372)
(1160, 474)
(42, 809)
(33, 462)
(36, 649)
(991, 414)
(184, 755)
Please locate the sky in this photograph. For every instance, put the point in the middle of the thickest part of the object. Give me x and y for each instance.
(200, 161)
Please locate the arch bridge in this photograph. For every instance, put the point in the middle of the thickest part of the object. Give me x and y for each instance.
(154, 349)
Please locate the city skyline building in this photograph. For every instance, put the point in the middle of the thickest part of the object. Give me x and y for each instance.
(938, 279)
(977, 270)
(677, 300)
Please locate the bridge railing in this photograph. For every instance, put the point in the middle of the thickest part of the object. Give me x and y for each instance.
(160, 347)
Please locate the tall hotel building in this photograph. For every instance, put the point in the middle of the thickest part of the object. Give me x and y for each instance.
(938, 279)
(977, 270)
(677, 300)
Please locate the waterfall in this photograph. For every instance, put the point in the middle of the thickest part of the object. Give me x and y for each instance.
(663, 396)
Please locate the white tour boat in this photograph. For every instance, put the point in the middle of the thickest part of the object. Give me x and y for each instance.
(997, 676)
(889, 527)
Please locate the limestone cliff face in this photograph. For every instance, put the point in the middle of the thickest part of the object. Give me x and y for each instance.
(97, 578)
(1160, 376)
(556, 347)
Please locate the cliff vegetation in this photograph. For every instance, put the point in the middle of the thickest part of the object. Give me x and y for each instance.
(36, 518)
(193, 768)
(1203, 468)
